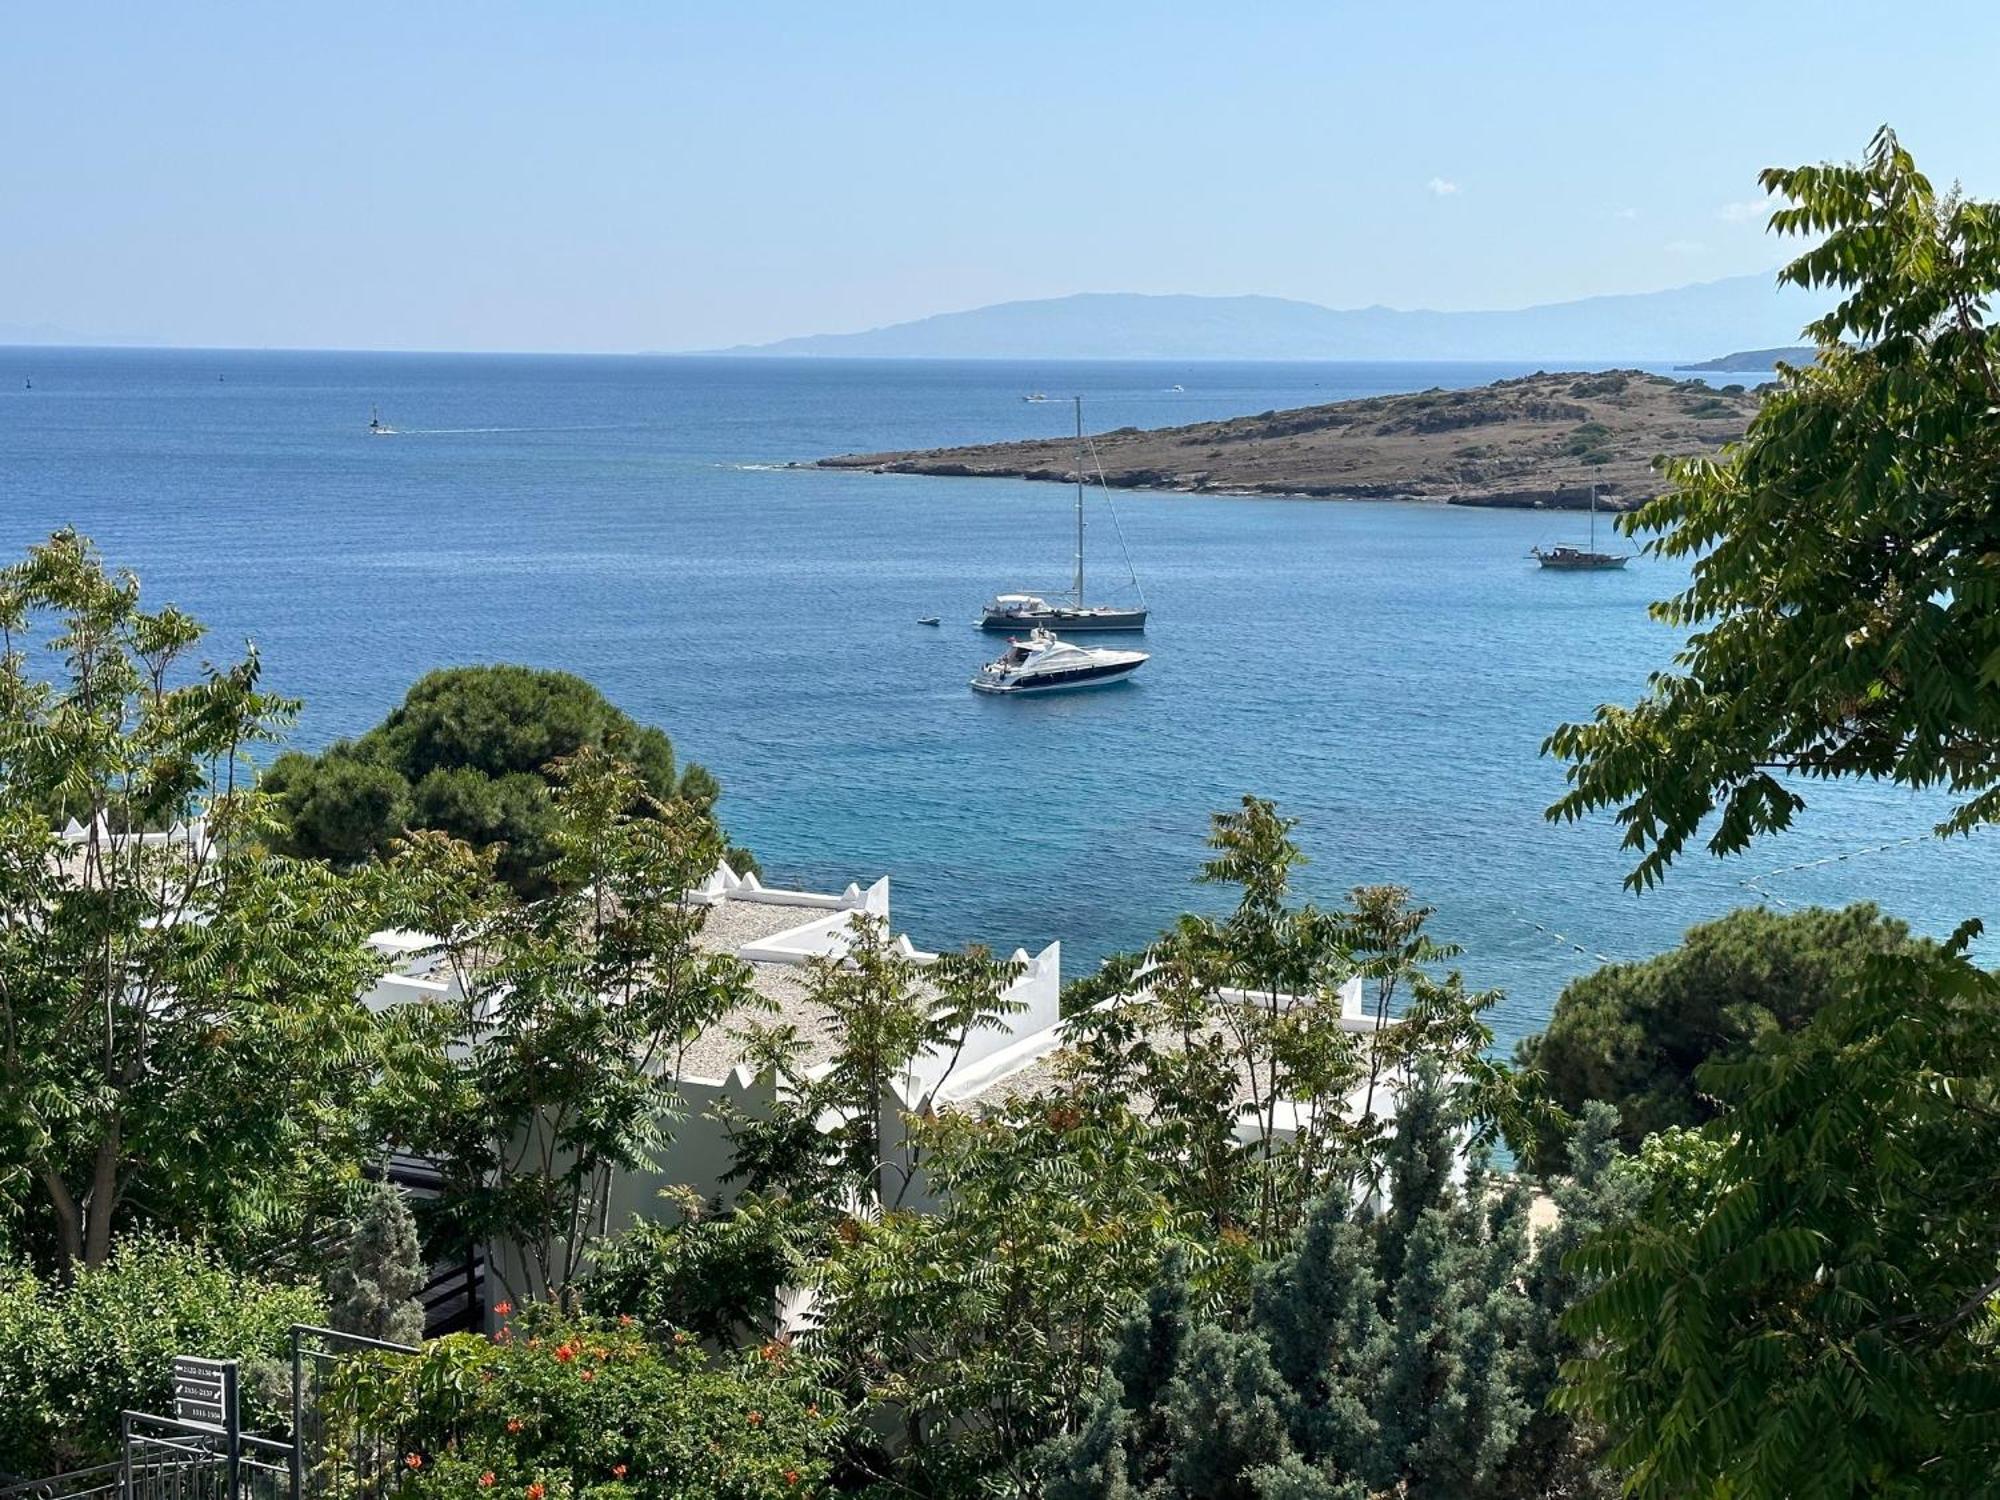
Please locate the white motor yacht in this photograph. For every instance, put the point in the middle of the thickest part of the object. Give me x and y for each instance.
(1044, 663)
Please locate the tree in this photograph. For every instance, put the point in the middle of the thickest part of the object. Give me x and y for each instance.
(468, 752)
(1811, 1308)
(373, 1283)
(552, 1063)
(1232, 1032)
(1365, 1361)
(180, 1042)
(976, 1332)
(1806, 1306)
(1634, 1034)
(1843, 591)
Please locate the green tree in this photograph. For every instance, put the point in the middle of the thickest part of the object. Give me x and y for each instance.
(552, 1062)
(1844, 585)
(1633, 1034)
(468, 752)
(976, 1332)
(1806, 1306)
(179, 1039)
(373, 1282)
(1232, 1031)
(1812, 1309)
(1364, 1361)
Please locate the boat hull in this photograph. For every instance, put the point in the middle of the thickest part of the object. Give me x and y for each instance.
(1581, 564)
(1071, 621)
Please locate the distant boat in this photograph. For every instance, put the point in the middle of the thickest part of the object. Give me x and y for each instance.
(1044, 664)
(1176, 387)
(1036, 398)
(928, 620)
(376, 424)
(1026, 611)
(1567, 559)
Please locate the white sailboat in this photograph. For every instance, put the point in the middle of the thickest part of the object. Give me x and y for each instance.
(1028, 611)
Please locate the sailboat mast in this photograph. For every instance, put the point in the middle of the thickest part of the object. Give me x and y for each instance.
(1079, 502)
(1593, 518)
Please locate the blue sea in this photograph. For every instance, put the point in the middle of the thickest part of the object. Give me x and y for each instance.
(1385, 671)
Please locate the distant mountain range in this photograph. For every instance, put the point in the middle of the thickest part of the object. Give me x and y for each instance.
(1644, 327)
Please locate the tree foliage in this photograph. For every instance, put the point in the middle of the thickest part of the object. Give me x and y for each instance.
(1634, 1034)
(179, 1039)
(1806, 1306)
(1393, 1352)
(565, 1407)
(373, 1280)
(1811, 1308)
(1845, 560)
(75, 1354)
(468, 752)
(1263, 1093)
(551, 1062)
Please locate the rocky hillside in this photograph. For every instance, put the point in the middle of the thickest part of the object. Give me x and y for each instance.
(1540, 440)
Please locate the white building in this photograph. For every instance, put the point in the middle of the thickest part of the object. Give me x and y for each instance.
(777, 933)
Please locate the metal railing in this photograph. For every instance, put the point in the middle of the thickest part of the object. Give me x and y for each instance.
(332, 1452)
(202, 1452)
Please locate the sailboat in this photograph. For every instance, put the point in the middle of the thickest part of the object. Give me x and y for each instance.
(1029, 611)
(1579, 559)
(376, 425)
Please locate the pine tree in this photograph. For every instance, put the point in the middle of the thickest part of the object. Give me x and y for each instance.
(1317, 1311)
(1558, 1452)
(1225, 1416)
(372, 1287)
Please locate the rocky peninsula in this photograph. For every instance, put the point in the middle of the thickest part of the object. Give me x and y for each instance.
(1537, 441)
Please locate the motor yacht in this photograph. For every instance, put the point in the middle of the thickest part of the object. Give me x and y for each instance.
(1044, 663)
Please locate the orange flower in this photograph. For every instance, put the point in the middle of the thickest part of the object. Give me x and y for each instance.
(586, 1374)
(535, 1491)
(756, 1419)
(413, 1461)
(624, 1320)
(503, 1335)
(486, 1480)
(501, 1309)
(791, 1476)
(513, 1424)
(618, 1471)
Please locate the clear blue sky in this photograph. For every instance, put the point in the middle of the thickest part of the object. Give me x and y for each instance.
(665, 176)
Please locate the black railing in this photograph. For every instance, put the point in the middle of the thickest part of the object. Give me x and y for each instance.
(334, 1452)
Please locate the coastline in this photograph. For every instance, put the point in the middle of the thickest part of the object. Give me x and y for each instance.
(1537, 442)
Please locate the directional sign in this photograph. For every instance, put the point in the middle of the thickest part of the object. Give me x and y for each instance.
(205, 1391)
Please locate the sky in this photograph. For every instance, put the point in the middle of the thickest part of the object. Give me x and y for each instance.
(663, 176)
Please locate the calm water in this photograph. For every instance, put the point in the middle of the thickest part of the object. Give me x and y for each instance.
(1386, 671)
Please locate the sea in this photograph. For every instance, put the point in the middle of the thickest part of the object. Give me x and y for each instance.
(1386, 672)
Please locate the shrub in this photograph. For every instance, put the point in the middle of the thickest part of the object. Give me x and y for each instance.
(73, 1357)
(554, 1407)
